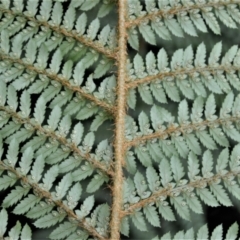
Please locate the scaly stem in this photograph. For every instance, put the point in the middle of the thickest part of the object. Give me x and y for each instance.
(120, 123)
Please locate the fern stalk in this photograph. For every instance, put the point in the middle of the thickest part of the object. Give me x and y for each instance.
(119, 141)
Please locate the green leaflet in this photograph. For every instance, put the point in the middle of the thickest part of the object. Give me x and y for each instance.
(194, 203)
(125, 226)
(63, 230)
(152, 216)
(96, 182)
(141, 186)
(15, 231)
(54, 117)
(49, 220)
(7, 181)
(13, 152)
(25, 104)
(139, 221)
(153, 179)
(87, 6)
(57, 13)
(50, 176)
(206, 196)
(166, 211)
(203, 233)
(93, 29)
(220, 194)
(177, 169)
(130, 163)
(39, 210)
(26, 204)
(147, 33)
(165, 176)
(56, 61)
(26, 232)
(85, 171)
(5, 41)
(98, 121)
(39, 111)
(63, 186)
(217, 233)
(26, 160)
(102, 218)
(12, 98)
(232, 232)
(15, 196)
(74, 195)
(37, 168)
(104, 66)
(133, 39)
(3, 221)
(86, 207)
(143, 156)
(211, 22)
(105, 9)
(78, 73)
(181, 207)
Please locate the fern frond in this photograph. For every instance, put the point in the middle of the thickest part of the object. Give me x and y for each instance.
(68, 77)
(55, 11)
(178, 137)
(182, 189)
(187, 73)
(177, 17)
(19, 126)
(16, 231)
(42, 191)
(16, 66)
(203, 233)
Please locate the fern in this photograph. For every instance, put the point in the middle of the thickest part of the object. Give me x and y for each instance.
(103, 135)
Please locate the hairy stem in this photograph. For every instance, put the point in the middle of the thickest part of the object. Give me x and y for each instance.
(62, 140)
(120, 122)
(63, 81)
(63, 31)
(47, 195)
(177, 10)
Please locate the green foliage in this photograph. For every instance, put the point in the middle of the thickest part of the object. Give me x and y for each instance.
(60, 75)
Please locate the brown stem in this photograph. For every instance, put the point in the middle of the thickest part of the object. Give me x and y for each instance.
(177, 10)
(63, 31)
(45, 194)
(51, 134)
(63, 81)
(190, 72)
(183, 129)
(119, 140)
(169, 191)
